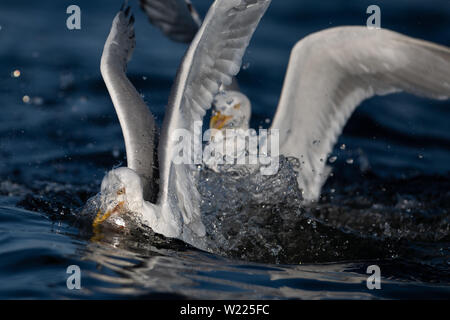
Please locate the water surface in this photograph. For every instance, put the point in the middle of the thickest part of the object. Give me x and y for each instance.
(387, 202)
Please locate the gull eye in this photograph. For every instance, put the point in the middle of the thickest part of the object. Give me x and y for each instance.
(121, 191)
(237, 107)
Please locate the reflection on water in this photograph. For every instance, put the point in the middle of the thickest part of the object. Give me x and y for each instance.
(37, 248)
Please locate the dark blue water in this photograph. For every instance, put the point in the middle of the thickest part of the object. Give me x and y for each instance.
(390, 207)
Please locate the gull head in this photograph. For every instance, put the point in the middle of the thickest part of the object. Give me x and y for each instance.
(121, 193)
(231, 110)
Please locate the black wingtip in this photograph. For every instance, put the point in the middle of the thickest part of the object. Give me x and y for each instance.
(127, 11)
(124, 5)
(131, 20)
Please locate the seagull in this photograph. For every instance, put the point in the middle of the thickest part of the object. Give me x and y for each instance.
(329, 74)
(179, 21)
(167, 199)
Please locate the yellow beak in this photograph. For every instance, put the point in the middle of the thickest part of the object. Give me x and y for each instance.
(102, 217)
(218, 121)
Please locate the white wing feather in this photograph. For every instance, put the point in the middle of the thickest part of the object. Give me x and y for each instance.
(137, 122)
(214, 57)
(177, 19)
(331, 72)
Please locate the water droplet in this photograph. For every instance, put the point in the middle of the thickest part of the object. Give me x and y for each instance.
(246, 66)
(343, 147)
(332, 159)
(350, 161)
(420, 156)
(37, 101)
(16, 73)
(26, 99)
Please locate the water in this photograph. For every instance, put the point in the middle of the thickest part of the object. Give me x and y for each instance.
(387, 202)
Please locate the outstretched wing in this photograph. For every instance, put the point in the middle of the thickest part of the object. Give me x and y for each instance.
(213, 58)
(136, 120)
(331, 72)
(177, 19)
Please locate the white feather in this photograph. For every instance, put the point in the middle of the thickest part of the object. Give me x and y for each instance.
(204, 69)
(137, 122)
(331, 72)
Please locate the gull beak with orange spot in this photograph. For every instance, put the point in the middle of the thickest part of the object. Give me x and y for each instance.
(100, 218)
(219, 120)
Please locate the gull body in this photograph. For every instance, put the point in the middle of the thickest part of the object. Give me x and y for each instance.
(212, 60)
(328, 76)
(228, 141)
